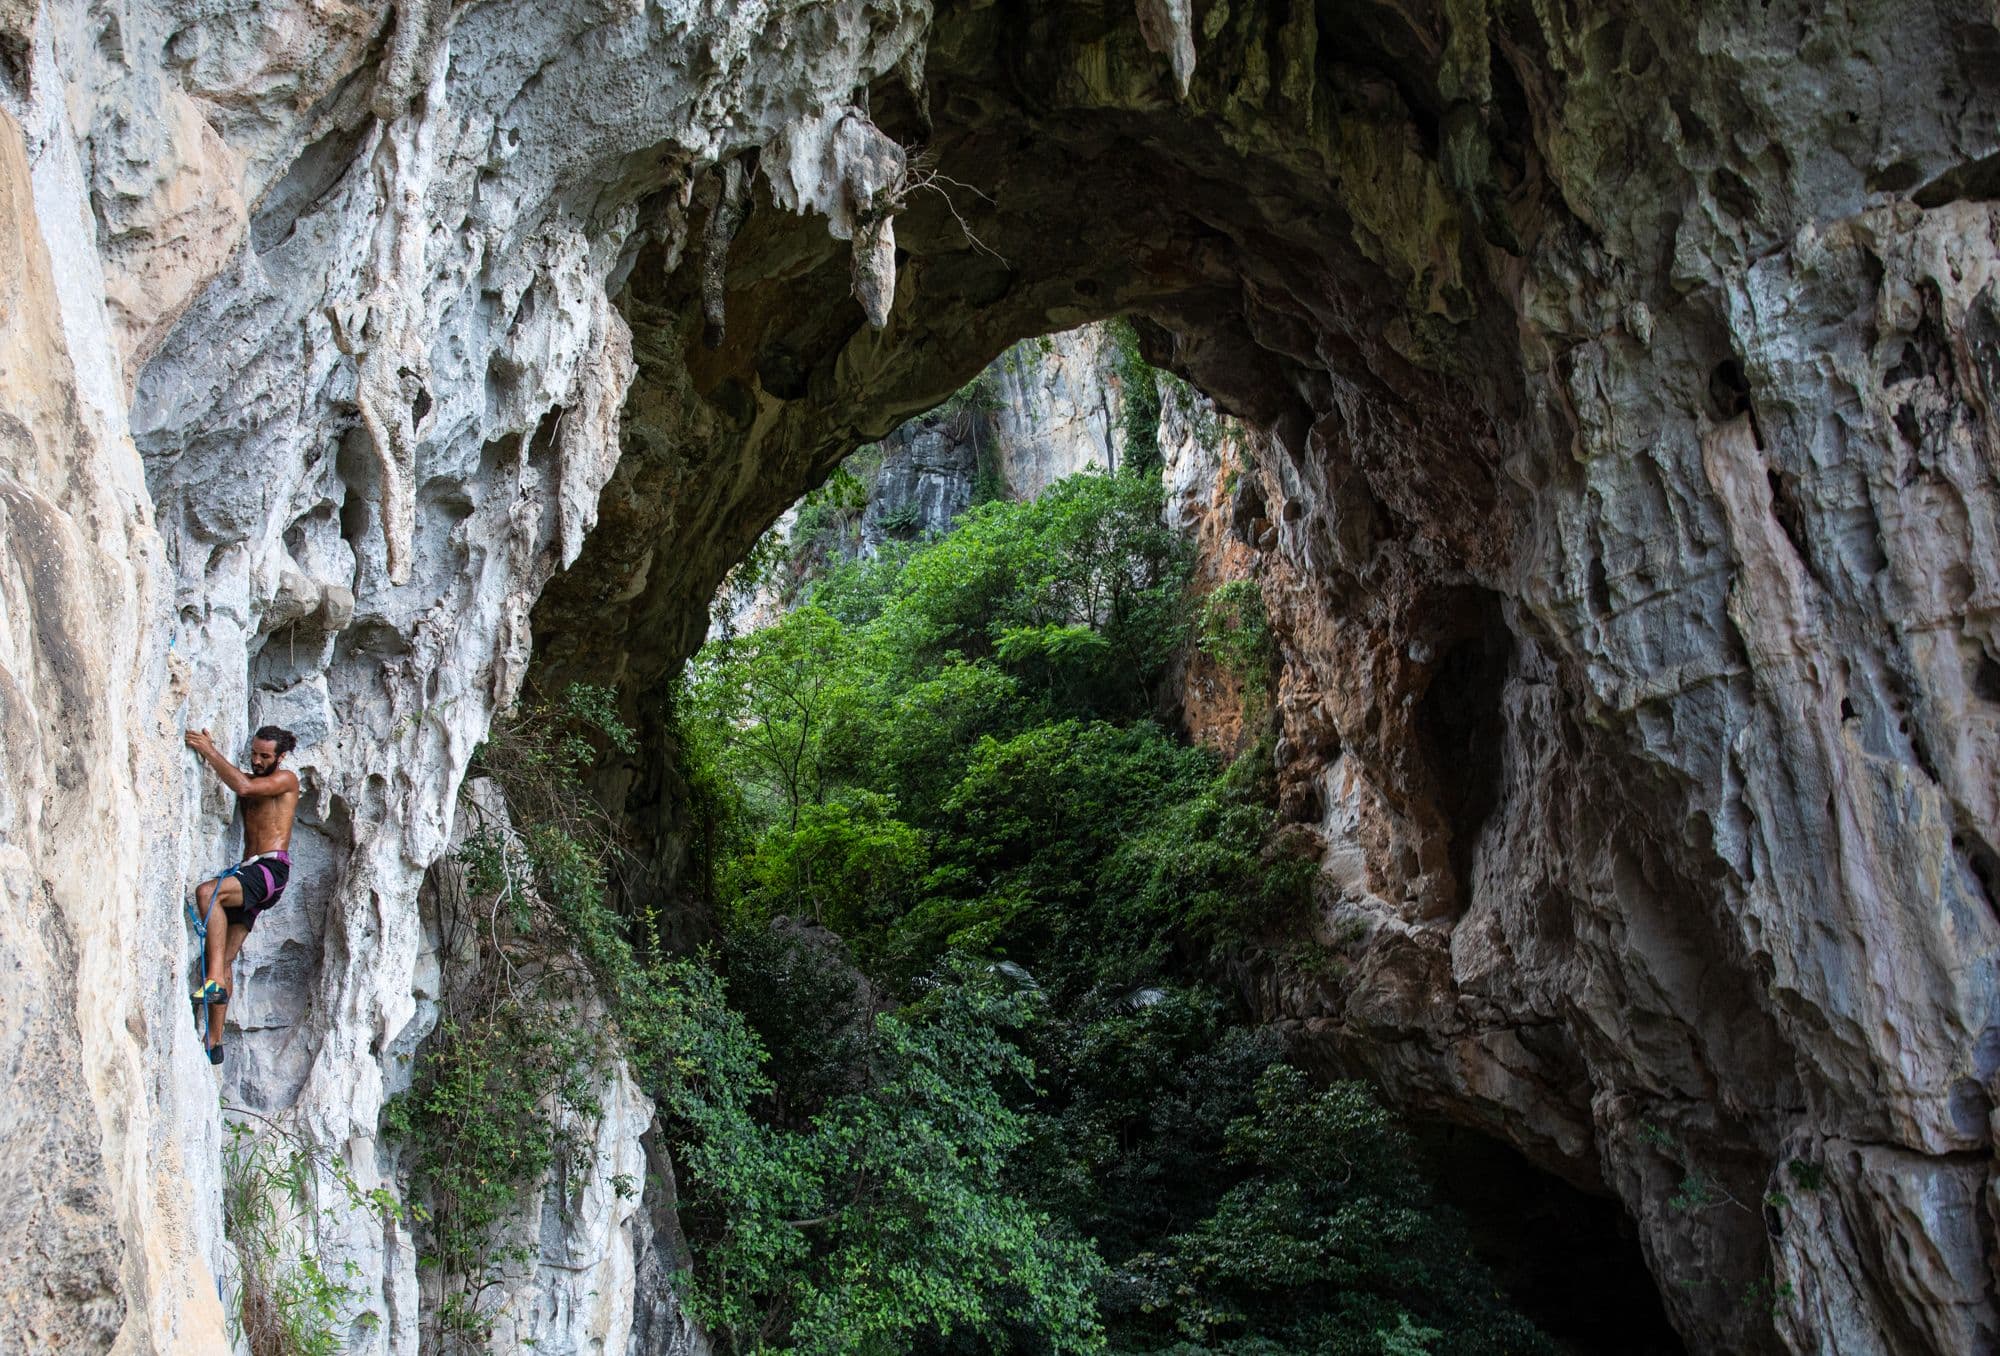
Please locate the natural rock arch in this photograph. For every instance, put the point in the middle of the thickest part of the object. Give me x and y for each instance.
(1520, 297)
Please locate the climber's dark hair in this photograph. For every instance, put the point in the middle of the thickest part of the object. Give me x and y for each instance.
(284, 739)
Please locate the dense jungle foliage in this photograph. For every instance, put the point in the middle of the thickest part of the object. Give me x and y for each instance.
(954, 1077)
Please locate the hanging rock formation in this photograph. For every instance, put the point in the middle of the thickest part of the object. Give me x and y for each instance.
(1626, 510)
(315, 378)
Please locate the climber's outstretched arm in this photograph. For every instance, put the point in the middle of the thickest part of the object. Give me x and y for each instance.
(235, 778)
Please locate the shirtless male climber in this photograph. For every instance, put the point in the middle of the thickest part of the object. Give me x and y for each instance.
(269, 797)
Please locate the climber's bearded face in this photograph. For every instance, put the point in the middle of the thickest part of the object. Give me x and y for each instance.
(263, 756)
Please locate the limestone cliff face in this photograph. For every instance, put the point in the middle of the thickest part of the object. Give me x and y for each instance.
(1624, 498)
(1059, 408)
(1204, 456)
(1651, 764)
(1044, 409)
(312, 379)
(107, 1118)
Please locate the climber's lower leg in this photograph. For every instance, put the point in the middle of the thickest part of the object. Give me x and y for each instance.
(211, 899)
(219, 1012)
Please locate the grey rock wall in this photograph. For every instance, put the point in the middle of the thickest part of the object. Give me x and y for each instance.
(318, 382)
(1060, 409)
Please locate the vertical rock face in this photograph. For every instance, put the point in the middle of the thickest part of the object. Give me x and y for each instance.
(1652, 835)
(1059, 409)
(312, 379)
(1204, 458)
(1044, 409)
(101, 1092)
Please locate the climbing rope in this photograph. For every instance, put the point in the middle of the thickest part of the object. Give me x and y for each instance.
(201, 949)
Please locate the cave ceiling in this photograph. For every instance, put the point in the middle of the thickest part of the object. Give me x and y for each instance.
(1285, 234)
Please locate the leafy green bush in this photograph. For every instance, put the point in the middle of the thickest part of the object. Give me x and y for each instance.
(888, 1220)
(776, 701)
(831, 514)
(1090, 553)
(502, 1097)
(851, 865)
(1235, 631)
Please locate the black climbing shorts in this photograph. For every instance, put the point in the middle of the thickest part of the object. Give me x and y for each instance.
(263, 882)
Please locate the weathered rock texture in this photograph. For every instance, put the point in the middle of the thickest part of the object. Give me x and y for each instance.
(1058, 409)
(1621, 518)
(1628, 518)
(312, 378)
(105, 1115)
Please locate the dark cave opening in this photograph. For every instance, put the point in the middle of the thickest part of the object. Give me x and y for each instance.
(1463, 722)
(1569, 1259)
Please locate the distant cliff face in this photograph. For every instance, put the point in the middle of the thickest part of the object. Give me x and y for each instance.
(1623, 499)
(1045, 409)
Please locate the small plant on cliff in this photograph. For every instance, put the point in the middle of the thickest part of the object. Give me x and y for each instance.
(830, 516)
(286, 1302)
(903, 520)
(1696, 1190)
(1140, 417)
(1235, 631)
(539, 752)
(503, 1094)
(963, 408)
